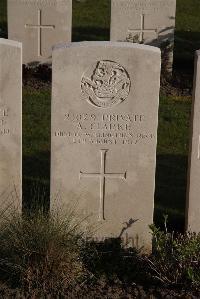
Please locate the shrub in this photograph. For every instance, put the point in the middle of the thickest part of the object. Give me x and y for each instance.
(176, 259)
(41, 253)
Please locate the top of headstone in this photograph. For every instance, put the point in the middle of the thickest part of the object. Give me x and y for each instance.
(147, 2)
(9, 42)
(198, 52)
(39, 1)
(106, 44)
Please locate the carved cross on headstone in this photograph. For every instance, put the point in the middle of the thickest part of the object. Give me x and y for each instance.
(142, 30)
(102, 175)
(39, 27)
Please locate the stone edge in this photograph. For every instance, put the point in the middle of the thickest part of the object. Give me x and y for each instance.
(16, 44)
(118, 1)
(9, 42)
(189, 162)
(107, 44)
(38, 1)
(198, 53)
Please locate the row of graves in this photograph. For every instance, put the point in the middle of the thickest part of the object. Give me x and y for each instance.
(104, 114)
(39, 24)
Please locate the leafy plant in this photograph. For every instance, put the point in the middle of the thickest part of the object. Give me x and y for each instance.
(176, 258)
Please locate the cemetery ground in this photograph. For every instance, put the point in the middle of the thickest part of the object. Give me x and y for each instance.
(91, 22)
(120, 274)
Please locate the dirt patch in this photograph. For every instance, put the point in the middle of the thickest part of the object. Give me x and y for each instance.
(106, 290)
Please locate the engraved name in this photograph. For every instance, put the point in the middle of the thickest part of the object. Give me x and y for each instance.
(153, 5)
(39, 3)
(104, 129)
(104, 117)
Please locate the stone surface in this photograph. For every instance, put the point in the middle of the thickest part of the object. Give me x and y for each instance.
(10, 123)
(151, 22)
(193, 201)
(39, 24)
(104, 130)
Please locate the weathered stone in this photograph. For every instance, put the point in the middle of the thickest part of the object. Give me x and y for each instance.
(150, 22)
(10, 124)
(193, 201)
(104, 131)
(39, 24)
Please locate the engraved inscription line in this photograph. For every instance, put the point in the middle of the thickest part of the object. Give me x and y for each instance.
(142, 30)
(39, 27)
(102, 175)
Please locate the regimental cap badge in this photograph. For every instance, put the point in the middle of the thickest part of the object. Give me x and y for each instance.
(106, 85)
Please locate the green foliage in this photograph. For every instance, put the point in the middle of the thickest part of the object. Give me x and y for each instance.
(176, 259)
(41, 253)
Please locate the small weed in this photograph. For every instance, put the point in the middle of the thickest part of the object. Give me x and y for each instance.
(176, 258)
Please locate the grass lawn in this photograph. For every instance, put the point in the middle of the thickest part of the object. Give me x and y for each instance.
(187, 38)
(91, 22)
(172, 151)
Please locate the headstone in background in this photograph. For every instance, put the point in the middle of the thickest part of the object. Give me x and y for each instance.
(10, 124)
(150, 22)
(193, 200)
(39, 24)
(104, 132)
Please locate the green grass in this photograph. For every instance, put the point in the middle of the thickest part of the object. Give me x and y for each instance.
(36, 120)
(187, 18)
(173, 131)
(172, 151)
(187, 36)
(3, 10)
(36, 143)
(91, 22)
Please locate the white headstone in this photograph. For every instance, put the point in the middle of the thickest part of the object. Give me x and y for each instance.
(150, 22)
(104, 131)
(193, 201)
(10, 124)
(39, 24)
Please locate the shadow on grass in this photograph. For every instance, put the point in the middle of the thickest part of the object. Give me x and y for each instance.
(36, 182)
(110, 260)
(186, 43)
(90, 34)
(3, 30)
(170, 193)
